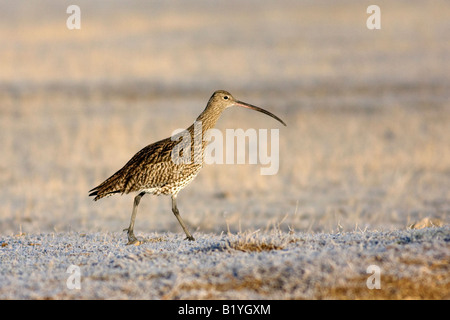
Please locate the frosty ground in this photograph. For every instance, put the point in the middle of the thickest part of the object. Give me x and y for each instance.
(275, 265)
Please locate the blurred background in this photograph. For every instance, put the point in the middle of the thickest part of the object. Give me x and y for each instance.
(367, 144)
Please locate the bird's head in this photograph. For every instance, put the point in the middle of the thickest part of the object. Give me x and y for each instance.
(222, 100)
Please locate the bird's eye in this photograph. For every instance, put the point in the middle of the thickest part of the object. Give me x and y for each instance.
(225, 97)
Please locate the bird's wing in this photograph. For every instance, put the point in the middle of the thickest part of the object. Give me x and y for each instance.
(137, 171)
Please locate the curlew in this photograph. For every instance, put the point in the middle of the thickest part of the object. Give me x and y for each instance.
(155, 170)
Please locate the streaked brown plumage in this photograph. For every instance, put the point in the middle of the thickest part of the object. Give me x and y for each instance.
(153, 169)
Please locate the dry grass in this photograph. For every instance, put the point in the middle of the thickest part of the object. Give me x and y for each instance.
(433, 287)
(272, 238)
(215, 290)
(394, 288)
(253, 246)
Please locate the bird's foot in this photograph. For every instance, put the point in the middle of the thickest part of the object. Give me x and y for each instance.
(190, 238)
(132, 240)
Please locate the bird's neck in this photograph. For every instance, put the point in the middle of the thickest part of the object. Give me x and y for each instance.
(208, 118)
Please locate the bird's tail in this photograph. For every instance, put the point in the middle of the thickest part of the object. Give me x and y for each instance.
(108, 187)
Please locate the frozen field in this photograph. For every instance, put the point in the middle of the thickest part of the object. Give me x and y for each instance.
(365, 154)
(413, 265)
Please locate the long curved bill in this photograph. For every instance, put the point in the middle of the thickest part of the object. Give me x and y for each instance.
(250, 106)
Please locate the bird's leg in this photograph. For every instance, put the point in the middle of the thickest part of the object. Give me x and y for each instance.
(177, 215)
(131, 237)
